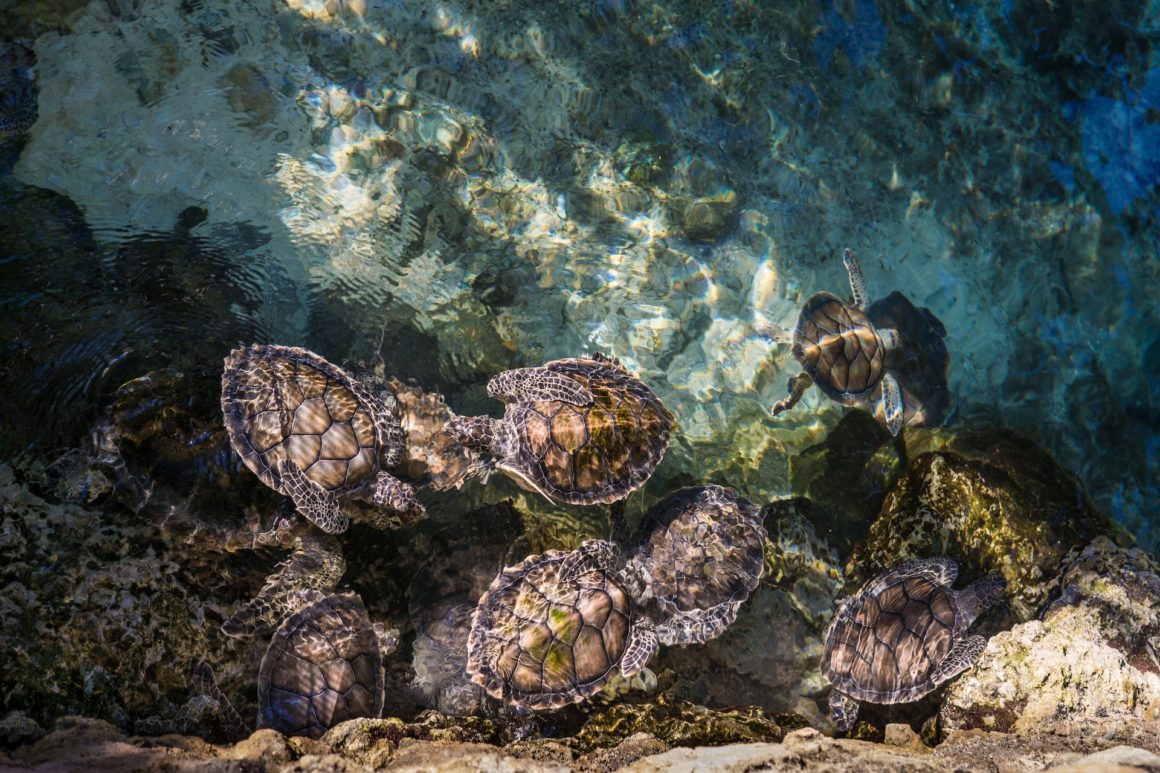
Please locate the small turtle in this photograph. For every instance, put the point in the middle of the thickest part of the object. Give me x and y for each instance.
(311, 431)
(579, 431)
(846, 353)
(700, 554)
(555, 628)
(323, 666)
(902, 635)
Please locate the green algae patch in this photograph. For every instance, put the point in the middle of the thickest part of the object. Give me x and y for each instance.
(1014, 513)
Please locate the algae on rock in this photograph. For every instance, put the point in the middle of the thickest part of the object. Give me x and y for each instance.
(1093, 653)
(997, 505)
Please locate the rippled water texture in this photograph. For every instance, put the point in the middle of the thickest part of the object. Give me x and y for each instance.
(450, 189)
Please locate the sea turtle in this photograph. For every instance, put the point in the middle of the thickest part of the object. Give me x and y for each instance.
(699, 554)
(579, 431)
(324, 665)
(311, 431)
(556, 627)
(902, 635)
(852, 356)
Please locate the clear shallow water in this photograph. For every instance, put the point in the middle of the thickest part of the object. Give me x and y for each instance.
(456, 189)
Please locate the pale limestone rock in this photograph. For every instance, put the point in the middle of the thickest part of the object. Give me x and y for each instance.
(1092, 654)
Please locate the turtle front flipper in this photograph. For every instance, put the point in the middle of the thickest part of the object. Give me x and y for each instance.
(964, 654)
(525, 385)
(843, 710)
(392, 493)
(642, 645)
(773, 333)
(892, 404)
(313, 569)
(594, 555)
(311, 499)
(857, 281)
(797, 387)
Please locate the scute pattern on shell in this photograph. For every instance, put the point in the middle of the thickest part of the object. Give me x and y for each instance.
(702, 551)
(883, 646)
(540, 642)
(595, 453)
(282, 402)
(323, 666)
(839, 348)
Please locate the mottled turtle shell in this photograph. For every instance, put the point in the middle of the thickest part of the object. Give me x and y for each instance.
(702, 550)
(284, 402)
(590, 454)
(541, 642)
(322, 667)
(839, 348)
(887, 639)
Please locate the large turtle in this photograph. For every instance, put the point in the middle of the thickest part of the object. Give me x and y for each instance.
(856, 358)
(902, 635)
(578, 431)
(700, 553)
(555, 628)
(311, 431)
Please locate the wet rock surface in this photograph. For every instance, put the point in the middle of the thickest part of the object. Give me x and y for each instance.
(1091, 654)
(995, 504)
(77, 744)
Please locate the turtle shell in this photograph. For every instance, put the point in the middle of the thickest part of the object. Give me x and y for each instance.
(703, 552)
(285, 402)
(887, 639)
(839, 348)
(590, 454)
(540, 642)
(322, 667)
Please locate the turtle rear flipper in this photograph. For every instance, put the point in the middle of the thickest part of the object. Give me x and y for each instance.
(525, 385)
(797, 387)
(843, 710)
(642, 645)
(892, 404)
(311, 499)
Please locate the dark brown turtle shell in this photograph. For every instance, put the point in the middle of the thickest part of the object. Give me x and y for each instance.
(702, 549)
(839, 348)
(590, 454)
(285, 402)
(322, 667)
(541, 642)
(886, 640)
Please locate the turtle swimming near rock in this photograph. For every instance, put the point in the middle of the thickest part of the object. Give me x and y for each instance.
(855, 357)
(555, 628)
(311, 431)
(324, 665)
(902, 635)
(578, 431)
(700, 552)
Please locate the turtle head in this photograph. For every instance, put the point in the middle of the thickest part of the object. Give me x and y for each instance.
(478, 433)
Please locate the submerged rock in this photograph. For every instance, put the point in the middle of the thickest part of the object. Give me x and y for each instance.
(997, 505)
(1092, 654)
